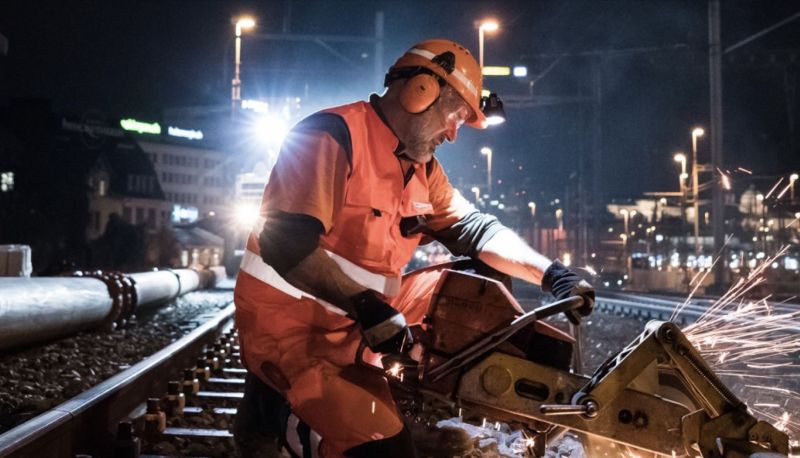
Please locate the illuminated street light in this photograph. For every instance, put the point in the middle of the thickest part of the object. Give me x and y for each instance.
(625, 215)
(486, 151)
(246, 215)
(477, 192)
(236, 85)
(532, 206)
(696, 132)
(484, 26)
(270, 129)
(560, 218)
(792, 178)
(680, 157)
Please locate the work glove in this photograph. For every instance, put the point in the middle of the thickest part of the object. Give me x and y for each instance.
(563, 283)
(384, 328)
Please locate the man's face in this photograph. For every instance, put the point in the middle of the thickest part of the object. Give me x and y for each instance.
(428, 130)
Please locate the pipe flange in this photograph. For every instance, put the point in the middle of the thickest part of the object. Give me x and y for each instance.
(114, 292)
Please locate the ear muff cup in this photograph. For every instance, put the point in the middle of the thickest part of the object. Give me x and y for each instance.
(419, 92)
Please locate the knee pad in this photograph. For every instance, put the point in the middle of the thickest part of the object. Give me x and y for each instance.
(400, 445)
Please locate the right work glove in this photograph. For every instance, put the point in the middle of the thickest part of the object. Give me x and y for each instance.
(384, 328)
(563, 283)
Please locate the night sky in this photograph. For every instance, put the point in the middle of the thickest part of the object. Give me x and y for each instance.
(139, 58)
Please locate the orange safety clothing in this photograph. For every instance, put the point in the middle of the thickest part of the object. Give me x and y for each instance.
(304, 346)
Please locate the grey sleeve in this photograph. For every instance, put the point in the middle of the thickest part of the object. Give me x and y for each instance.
(287, 238)
(468, 235)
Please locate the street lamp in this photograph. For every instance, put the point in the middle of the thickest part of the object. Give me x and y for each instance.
(532, 206)
(560, 218)
(236, 85)
(680, 157)
(625, 215)
(696, 133)
(477, 192)
(488, 25)
(486, 151)
(792, 178)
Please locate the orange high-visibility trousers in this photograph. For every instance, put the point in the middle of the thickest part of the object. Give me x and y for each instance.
(312, 365)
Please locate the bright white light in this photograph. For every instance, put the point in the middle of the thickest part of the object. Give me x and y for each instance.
(191, 134)
(255, 105)
(567, 259)
(246, 22)
(270, 129)
(495, 120)
(520, 71)
(184, 214)
(489, 25)
(246, 215)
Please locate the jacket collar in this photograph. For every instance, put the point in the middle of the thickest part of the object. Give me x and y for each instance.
(373, 102)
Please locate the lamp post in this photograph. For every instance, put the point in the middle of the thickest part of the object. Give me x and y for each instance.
(624, 236)
(483, 27)
(696, 132)
(792, 178)
(236, 85)
(560, 218)
(486, 151)
(680, 157)
(477, 192)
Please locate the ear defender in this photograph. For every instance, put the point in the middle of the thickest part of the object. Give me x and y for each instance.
(419, 92)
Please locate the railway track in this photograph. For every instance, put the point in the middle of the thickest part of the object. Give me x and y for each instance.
(89, 424)
(102, 421)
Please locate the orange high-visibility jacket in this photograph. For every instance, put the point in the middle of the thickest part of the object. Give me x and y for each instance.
(365, 238)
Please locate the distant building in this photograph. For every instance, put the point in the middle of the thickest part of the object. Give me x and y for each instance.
(196, 181)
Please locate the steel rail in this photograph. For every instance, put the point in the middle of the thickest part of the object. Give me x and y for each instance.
(86, 423)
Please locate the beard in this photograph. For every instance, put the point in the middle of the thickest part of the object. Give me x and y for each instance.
(420, 153)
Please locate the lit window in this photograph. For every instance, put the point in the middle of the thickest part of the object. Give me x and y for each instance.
(6, 181)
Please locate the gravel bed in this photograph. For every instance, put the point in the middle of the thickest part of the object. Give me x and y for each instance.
(35, 379)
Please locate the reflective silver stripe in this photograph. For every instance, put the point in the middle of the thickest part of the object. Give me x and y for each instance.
(462, 78)
(385, 329)
(388, 286)
(255, 266)
(292, 438)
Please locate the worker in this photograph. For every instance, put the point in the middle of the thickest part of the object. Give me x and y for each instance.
(353, 192)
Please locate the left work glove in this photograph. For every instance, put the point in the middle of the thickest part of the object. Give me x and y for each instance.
(383, 327)
(563, 283)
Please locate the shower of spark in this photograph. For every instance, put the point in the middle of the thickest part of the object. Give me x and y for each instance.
(773, 188)
(394, 371)
(783, 191)
(725, 179)
(753, 346)
(744, 170)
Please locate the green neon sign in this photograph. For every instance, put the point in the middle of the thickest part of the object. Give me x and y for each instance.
(140, 127)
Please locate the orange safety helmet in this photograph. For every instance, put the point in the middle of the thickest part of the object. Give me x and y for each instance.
(429, 63)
